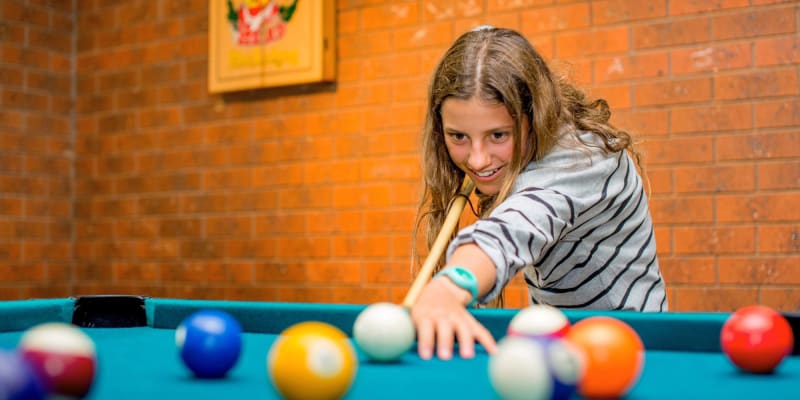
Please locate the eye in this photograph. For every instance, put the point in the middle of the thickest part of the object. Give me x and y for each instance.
(500, 136)
(456, 137)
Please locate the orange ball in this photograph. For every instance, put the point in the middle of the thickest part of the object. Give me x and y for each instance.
(312, 360)
(613, 356)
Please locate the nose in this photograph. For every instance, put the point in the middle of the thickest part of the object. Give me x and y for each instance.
(479, 158)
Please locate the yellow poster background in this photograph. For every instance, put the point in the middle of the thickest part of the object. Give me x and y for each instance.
(253, 45)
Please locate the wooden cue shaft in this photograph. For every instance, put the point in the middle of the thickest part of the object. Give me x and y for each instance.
(439, 245)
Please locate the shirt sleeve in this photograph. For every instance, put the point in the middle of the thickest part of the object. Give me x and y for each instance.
(518, 232)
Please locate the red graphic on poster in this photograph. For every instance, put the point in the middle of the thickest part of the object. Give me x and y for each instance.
(259, 22)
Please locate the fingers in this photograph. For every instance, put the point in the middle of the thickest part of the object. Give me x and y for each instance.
(444, 339)
(425, 337)
(485, 338)
(440, 335)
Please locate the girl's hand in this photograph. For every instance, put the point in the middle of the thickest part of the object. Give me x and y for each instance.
(440, 315)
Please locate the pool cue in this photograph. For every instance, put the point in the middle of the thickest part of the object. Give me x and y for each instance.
(439, 245)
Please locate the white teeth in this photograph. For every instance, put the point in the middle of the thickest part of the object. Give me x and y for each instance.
(487, 173)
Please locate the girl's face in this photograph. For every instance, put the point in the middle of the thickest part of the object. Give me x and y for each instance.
(479, 139)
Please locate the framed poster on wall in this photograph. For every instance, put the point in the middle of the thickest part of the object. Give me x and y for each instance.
(267, 43)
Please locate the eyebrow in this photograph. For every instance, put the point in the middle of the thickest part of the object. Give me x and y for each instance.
(492, 130)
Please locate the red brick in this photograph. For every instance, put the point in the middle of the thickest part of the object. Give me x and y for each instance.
(674, 91)
(428, 35)
(671, 33)
(374, 245)
(642, 123)
(766, 207)
(688, 270)
(616, 11)
(389, 16)
(723, 240)
(778, 175)
(715, 118)
(600, 41)
(358, 294)
(682, 210)
(559, 18)
(505, 5)
(715, 179)
(659, 180)
(710, 299)
(446, 9)
(683, 7)
(754, 22)
(339, 272)
(617, 96)
(759, 146)
(759, 270)
(752, 85)
(780, 298)
(777, 51)
(385, 273)
(645, 65)
(779, 238)
(678, 150)
(777, 113)
(715, 58)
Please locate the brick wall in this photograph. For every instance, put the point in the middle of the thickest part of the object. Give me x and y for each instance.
(308, 193)
(36, 148)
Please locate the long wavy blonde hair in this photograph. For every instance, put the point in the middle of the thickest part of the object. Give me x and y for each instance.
(500, 66)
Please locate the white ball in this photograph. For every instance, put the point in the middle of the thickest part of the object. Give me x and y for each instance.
(519, 370)
(539, 320)
(384, 332)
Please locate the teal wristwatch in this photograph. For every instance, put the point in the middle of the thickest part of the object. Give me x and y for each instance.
(464, 279)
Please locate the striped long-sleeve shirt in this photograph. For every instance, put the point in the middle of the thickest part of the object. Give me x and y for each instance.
(579, 228)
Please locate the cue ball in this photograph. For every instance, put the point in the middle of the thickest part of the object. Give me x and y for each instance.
(312, 360)
(18, 381)
(62, 356)
(612, 354)
(756, 339)
(384, 332)
(209, 342)
(539, 320)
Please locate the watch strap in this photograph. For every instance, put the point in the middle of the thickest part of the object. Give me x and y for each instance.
(464, 279)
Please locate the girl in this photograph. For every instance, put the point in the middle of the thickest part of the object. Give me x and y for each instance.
(560, 197)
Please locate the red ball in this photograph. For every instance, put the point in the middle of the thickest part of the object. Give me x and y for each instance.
(62, 356)
(756, 339)
(613, 356)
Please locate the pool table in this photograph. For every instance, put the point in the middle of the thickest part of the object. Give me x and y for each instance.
(137, 357)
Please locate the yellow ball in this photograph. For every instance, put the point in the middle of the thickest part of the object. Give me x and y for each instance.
(312, 360)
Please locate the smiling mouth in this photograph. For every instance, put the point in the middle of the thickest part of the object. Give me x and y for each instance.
(487, 174)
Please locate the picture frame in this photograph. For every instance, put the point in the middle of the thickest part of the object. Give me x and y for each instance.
(269, 43)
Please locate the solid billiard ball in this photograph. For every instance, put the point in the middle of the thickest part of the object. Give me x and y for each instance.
(62, 356)
(612, 354)
(384, 332)
(518, 369)
(209, 342)
(539, 320)
(756, 338)
(312, 360)
(18, 381)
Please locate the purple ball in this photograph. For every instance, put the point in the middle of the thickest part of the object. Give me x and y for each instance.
(18, 381)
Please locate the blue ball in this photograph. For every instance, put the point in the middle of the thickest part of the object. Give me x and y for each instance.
(566, 369)
(210, 342)
(18, 381)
